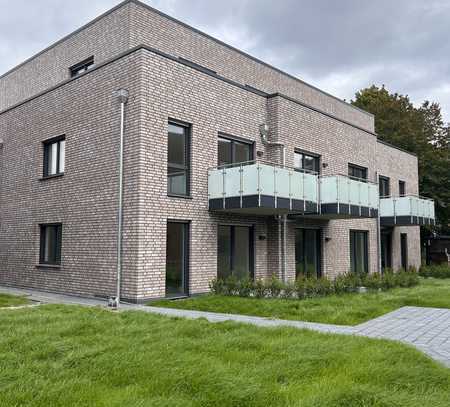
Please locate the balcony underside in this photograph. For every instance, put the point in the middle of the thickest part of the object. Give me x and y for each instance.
(262, 205)
(405, 221)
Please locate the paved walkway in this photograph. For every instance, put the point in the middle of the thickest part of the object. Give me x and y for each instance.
(428, 329)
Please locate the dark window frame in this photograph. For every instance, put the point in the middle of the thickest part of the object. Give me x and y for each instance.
(81, 67)
(401, 188)
(188, 154)
(47, 145)
(58, 244)
(235, 139)
(356, 167)
(187, 248)
(251, 253)
(315, 156)
(353, 250)
(388, 181)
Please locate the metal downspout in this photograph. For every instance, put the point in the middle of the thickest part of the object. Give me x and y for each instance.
(122, 97)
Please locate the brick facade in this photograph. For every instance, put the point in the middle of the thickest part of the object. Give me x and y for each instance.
(84, 199)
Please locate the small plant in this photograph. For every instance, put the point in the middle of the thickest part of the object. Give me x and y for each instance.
(217, 286)
(388, 279)
(231, 286)
(373, 281)
(245, 287)
(324, 286)
(260, 289)
(275, 287)
(288, 291)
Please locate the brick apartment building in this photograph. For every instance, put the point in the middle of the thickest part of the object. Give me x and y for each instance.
(230, 166)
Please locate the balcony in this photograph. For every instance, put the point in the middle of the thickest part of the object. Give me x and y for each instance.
(261, 188)
(406, 210)
(342, 196)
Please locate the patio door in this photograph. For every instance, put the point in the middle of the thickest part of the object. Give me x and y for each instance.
(177, 259)
(386, 249)
(307, 252)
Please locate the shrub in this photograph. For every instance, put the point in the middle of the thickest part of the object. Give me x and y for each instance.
(288, 291)
(217, 286)
(373, 281)
(245, 287)
(435, 271)
(231, 286)
(275, 286)
(388, 279)
(324, 286)
(260, 289)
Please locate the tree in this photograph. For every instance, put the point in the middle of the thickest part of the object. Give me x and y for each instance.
(419, 130)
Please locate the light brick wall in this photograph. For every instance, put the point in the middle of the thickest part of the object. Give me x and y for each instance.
(85, 198)
(399, 165)
(104, 38)
(132, 24)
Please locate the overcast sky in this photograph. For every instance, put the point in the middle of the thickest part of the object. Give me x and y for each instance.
(339, 46)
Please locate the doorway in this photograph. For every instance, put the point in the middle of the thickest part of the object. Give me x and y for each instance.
(177, 259)
(307, 252)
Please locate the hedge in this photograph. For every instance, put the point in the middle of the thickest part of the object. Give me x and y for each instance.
(310, 287)
(435, 270)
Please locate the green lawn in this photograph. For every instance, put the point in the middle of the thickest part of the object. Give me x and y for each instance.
(11, 300)
(73, 356)
(348, 309)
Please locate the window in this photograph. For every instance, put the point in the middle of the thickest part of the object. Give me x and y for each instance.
(404, 250)
(233, 151)
(307, 252)
(384, 186)
(355, 171)
(235, 252)
(306, 162)
(359, 252)
(54, 156)
(81, 67)
(50, 250)
(402, 188)
(177, 259)
(386, 249)
(178, 159)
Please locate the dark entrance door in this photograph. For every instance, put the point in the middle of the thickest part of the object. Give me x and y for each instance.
(404, 250)
(386, 249)
(176, 259)
(307, 252)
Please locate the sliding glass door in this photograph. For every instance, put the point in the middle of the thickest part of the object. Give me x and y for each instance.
(177, 259)
(235, 255)
(307, 252)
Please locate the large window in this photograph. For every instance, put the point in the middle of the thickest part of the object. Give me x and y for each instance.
(355, 171)
(386, 249)
(384, 186)
(307, 162)
(307, 252)
(54, 156)
(50, 247)
(232, 151)
(81, 67)
(178, 159)
(235, 251)
(359, 252)
(177, 259)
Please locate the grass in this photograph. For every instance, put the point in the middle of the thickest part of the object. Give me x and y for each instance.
(72, 356)
(347, 309)
(7, 300)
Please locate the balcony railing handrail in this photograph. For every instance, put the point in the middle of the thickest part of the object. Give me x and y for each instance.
(364, 180)
(407, 196)
(250, 162)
